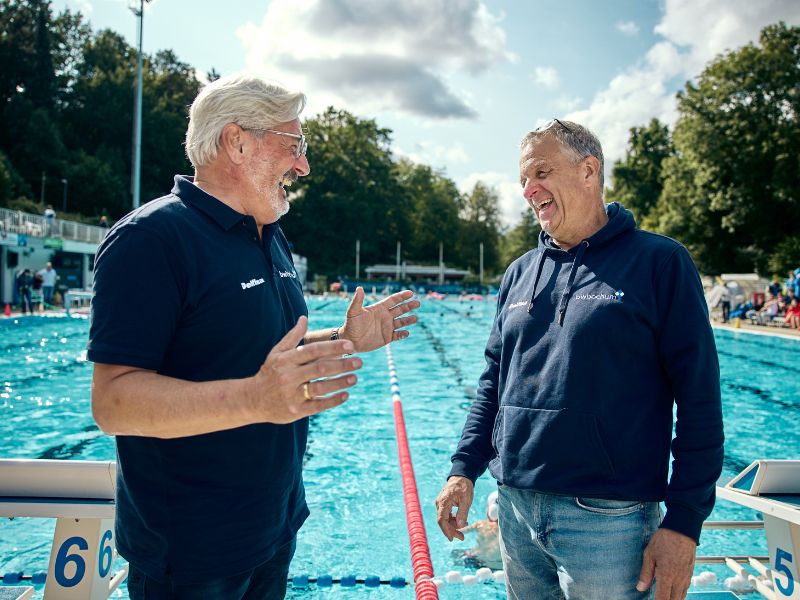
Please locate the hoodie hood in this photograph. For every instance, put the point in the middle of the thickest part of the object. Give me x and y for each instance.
(620, 220)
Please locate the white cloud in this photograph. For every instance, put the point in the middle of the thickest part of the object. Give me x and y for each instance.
(377, 56)
(565, 103)
(511, 201)
(694, 32)
(708, 27)
(434, 155)
(547, 77)
(82, 6)
(627, 27)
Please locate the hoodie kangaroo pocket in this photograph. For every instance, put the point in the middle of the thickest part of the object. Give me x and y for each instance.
(551, 450)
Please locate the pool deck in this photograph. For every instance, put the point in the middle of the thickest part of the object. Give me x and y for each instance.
(770, 330)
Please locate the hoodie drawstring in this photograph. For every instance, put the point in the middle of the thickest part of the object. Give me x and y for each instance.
(562, 307)
(539, 266)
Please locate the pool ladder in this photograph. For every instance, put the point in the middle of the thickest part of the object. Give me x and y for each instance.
(763, 582)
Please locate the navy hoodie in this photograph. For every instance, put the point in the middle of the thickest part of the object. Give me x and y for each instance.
(589, 350)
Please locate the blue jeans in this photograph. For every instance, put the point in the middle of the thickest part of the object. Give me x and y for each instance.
(265, 582)
(562, 547)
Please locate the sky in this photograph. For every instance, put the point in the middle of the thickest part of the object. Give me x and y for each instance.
(460, 82)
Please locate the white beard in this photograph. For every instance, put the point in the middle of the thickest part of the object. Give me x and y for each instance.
(270, 192)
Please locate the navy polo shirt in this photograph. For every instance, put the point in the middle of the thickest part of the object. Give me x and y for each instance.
(185, 287)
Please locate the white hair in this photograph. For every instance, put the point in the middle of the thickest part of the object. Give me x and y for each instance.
(247, 100)
(574, 138)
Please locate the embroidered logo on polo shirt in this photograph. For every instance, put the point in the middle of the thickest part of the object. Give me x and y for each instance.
(252, 283)
(291, 274)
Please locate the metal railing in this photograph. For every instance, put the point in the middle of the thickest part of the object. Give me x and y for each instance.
(741, 525)
(22, 223)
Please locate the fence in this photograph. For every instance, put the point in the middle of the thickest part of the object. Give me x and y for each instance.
(16, 221)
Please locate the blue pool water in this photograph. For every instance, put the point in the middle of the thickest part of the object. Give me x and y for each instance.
(357, 524)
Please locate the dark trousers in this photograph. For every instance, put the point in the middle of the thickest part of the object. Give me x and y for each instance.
(265, 582)
(26, 301)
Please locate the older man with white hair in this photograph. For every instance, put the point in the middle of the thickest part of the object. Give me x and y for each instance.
(204, 369)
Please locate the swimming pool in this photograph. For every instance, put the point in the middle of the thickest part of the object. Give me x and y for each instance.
(357, 524)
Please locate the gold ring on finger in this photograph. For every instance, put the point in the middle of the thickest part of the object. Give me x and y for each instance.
(306, 393)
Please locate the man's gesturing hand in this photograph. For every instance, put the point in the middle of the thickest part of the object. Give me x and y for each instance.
(457, 492)
(374, 326)
(670, 558)
(279, 394)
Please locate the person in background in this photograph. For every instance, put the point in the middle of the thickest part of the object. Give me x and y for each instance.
(486, 552)
(49, 277)
(209, 389)
(725, 302)
(769, 310)
(774, 288)
(103, 222)
(36, 292)
(600, 331)
(792, 317)
(789, 283)
(24, 289)
(49, 218)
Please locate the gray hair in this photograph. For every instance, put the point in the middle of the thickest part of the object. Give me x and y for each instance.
(246, 100)
(575, 139)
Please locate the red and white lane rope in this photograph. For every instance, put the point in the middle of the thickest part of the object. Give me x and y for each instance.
(418, 540)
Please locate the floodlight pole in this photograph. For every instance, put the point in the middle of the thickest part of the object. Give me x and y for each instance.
(441, 263)
(137, 117)
(64, 203)
(481, 266)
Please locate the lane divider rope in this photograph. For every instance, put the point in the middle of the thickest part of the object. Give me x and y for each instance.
(421, 564)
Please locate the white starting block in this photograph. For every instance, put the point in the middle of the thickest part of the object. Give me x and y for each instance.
(773, 488)
(80, 494)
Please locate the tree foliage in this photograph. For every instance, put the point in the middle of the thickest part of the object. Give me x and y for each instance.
(67, 98)
(350, 194)
(480, 224)
(732, 188)
(638, 178)
(524, 236)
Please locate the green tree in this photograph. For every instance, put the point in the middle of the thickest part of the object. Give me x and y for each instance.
(169, 89)
(98, 118)
(638, 178)
(42, 83)
(521, 238)
(350, 194)
(11, 184)
(731, 190)
(480, 223)
(433, 203)
(17, 35)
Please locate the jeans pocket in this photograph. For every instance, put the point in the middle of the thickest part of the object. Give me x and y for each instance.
(612, 508)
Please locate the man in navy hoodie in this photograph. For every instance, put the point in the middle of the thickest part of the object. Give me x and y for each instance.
(600, 331)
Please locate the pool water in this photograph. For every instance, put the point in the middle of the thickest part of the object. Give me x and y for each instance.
(357, 524)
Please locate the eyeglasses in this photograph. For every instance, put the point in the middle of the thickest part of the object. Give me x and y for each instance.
(297, 150)
(553, 123)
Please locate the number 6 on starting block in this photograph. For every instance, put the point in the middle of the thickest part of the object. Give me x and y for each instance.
(80, 562)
